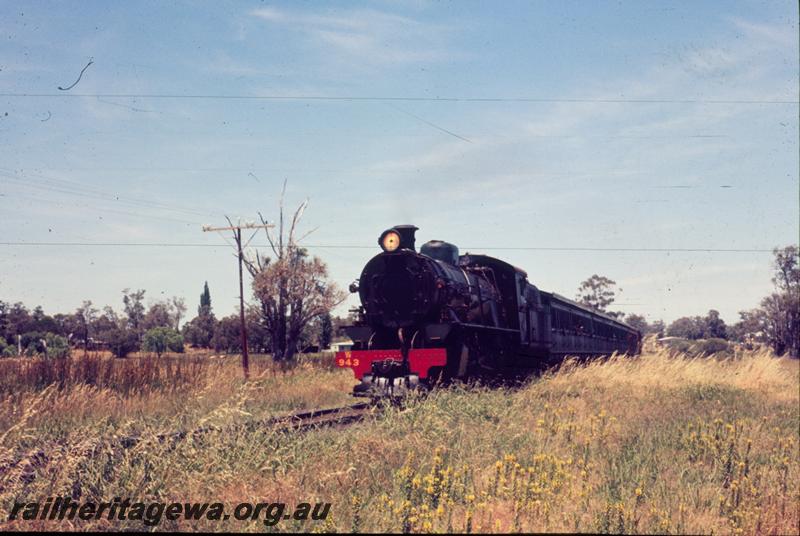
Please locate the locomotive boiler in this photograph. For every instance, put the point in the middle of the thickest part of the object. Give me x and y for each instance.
(435, 315)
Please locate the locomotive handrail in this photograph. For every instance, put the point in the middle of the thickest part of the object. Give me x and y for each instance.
(479, 326)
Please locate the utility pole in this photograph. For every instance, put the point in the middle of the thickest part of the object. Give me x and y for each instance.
(237, 237)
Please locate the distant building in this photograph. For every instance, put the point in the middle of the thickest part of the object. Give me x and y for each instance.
(341, 346)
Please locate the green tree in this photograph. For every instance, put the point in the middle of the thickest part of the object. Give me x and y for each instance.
(227, 335)
(121, 341)
(205, 300)
(598, 292)
(105, 323)
(777, 321)
(199, 331)
(179, 309)
(714, 327)
(637, 322)
(258, 339)
(42, 322)
(162, 339)
(292, 287)
(134, 309)
(160, 314)
(782, 308)
(56, 346)
(658, 327)
(32, 343)
(687, 328)
(7, 350)
(16, 321)
(84, 318)
(325, 330)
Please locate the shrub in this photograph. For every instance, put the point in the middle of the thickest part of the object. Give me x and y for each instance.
(7, 350)
(31, 343)
(678, 344)
(712, 346)
(42, 343)
(57, 346)
(121, 342)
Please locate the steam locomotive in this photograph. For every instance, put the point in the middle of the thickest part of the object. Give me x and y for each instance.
(435, 315)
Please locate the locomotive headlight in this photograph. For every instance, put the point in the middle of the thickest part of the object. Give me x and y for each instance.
(390, 241)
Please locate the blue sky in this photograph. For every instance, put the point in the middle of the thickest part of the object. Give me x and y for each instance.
(579, 125)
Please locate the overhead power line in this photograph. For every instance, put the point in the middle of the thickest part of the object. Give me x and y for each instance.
(346, 246)
(43, 182)
(390, 98)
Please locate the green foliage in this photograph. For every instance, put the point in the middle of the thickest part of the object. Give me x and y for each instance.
(637, 322)
(32, 343)
(679, 344)
(121, 341)
(712, 346)
(205, 301)
(293, 288)
(598, 292)
(698, 327)
(37, 343)
(699, 347)
(82, 321)
(158, 315)
(162, 339)
(325, 330)
(714, 327)
(7, 350)
(134, 308)
(57, 346)
(15, 319)
(200, 330)
(227, 335)
(258, 338)
(686, 328)
(777, 321)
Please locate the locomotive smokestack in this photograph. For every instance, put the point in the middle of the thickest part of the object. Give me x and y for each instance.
(398, 237)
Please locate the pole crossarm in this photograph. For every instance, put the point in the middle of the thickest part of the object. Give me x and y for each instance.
(207, 228)
(237, 236)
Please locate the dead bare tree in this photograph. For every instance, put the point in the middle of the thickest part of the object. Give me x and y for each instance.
(291, 286)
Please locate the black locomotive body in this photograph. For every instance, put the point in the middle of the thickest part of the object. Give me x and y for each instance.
(437, 315)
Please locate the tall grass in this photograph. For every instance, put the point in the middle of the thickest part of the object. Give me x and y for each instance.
(122, 375)
(658, 444)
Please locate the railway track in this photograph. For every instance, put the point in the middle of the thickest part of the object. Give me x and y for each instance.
(294, 422)
(334, 417)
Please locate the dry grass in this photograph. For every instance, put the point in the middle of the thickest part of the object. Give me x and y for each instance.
(658, 444)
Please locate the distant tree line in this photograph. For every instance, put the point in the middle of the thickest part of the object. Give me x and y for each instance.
(155, 329)
(28, 333)
(776, 322)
